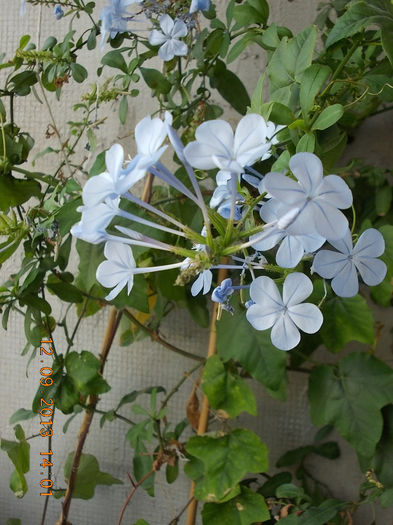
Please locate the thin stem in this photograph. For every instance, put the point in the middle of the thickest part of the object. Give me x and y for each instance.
(55, 129)
(46, 503)
(76, 327)
(155, 337)
(204, 415)
(133, 490)
(175, 520)
(179, 384)
(113, 323)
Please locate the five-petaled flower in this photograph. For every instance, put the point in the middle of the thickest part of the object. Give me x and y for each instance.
(168, 38)
(318, 198)
(341, 266)
(284, 315)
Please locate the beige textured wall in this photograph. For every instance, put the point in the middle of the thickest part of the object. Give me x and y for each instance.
(281, 425)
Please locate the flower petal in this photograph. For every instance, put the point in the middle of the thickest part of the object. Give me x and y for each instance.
(179, 29)
(327, 220)
(114, 159)
(214, 137)
(290, 252)
(297, 287)
(328, 263)
(250, 143)
(370, 244)
(372, 270)
(261, 318)
(149, 135)
(306, 316)
(166, 24)
(157, 38)
(264, 291)
(345, 283)
(166, 51)
(343, 245)
(308, 170)
(97, 189)
(335, 191)
(179, 48)
(268, 242)
(284, 189)
(285, 335)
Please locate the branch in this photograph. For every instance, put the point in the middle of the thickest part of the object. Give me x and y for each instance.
(113, 323)
(134, 488)
(155, 337)
(175, 520)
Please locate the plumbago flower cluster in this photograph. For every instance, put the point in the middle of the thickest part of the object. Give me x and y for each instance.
(300, 212)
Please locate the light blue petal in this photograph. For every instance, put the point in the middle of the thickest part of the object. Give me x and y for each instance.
(261, 318)
(328, 264)
(207, 281)
(284, 189)
(345, 283)
(306, 316)
(285, 335)
(308, 170)
(343, 245)
(327, 220)
(264, 291)
(297, 287)
(372, 270)
(290, 252)
(335, 191)
(370, 244)
(197, 285)
(157, 38)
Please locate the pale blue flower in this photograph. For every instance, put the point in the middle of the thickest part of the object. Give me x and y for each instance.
(318, 198)
(216, 146)
(284, 315)
(119, 269)
(114, 18)
(292, 247)
(199, 5)
(341, 266)
(168, 38)
(113, 182)
(95, 219)
(203, 283)
(222, 200)
(58, 12)
(222, 292)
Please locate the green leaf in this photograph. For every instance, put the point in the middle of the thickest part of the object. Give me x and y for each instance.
(19, 454)
(313, 80)
(351, 397)
(65, 291)
(248, 507)
(359, 16)
(156, 80)
(220, 462)
(115, 59)
(141, 522)
(21, 415)
(346, 319)
(269, 488)
(88, 476)
(254, 351)
(287, 65)
(387, 256)
(294, 456)
(381, 462)
(13, 521)
(83, 369)
(172, 472)
(99, 165)
(14, 192)
(383, 199)
(289, 490)
(316, 515)
(306, 143)
(386, 498)
(328, 117)
(225, 390)
(123, 109)
(387, 42)
(252, 12)
(79, 72)
(230, 87)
